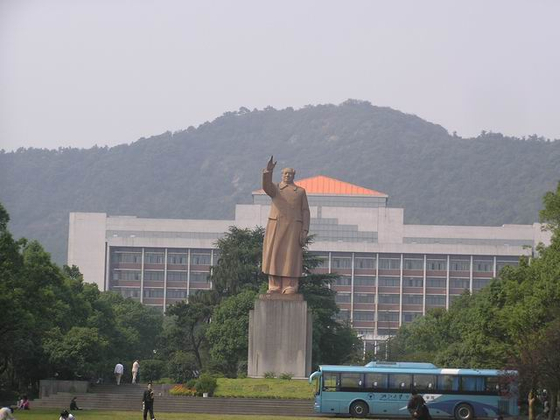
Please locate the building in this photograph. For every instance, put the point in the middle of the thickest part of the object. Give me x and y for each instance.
(390, 272)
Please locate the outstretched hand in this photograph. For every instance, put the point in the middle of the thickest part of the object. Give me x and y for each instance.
(271, 164)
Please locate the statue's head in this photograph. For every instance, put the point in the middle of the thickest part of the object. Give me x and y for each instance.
(288, 175)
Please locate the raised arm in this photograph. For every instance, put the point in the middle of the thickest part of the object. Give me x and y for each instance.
(267, 185)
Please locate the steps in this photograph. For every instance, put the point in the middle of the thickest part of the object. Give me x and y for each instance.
(128, 397)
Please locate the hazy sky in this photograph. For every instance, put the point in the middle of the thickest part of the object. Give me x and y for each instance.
(79, 73)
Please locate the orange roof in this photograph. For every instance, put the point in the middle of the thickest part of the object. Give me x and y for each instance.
(323, 185)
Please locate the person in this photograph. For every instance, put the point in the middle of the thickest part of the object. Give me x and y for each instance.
(417, 407)
(65, 415)
(23, 404)
(286, 231)
(148, 402)
(119, 369)
(74, 405)
(6, 413)
(135, 367)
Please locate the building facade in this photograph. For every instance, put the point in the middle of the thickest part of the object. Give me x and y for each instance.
(390, 272)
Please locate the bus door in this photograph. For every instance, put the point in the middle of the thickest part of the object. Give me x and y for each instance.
(330, 398)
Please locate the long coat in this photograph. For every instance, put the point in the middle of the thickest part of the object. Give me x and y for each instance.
(289, 215)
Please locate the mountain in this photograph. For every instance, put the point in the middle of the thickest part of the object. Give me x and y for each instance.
(203, 172)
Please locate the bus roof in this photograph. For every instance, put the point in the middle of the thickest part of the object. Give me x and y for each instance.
(408, 367)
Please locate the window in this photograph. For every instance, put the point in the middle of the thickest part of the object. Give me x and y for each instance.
(330, 382)
(435, 300)
(459, 283)
(448, 383)
(177, 276)
(460, 265)
(127, 275)
(386, 331)
(375, 381)
(483, 266)
(364, 298)
(412, 299)
(392, 299)
(410, 316)
(364, 316)
(322, 261)
(199, 277)
(177, 259)
(341, 262)
(480, 283)
(400, 381)
(425, 383)
(128, 257)
(435, 282)
(153, 293)
(350, 381)
(413, 282)
(492, 385)
(502, 264)
(343, 281)
(436, 265)
(343, 315)
(177, 293)
(342, 298)
(363, 263)
(389, 281)
(130, 293)
(472, 383)
(153, 257)
(413, 264)
(389, 316)
(389, 263)
(200, 259)
(364, 280)
(153, 275)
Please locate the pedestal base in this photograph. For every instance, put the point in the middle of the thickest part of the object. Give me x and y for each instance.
(280, 334)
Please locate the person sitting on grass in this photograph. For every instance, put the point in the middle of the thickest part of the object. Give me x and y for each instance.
(65, 415)
(6, 413)
(74, 405)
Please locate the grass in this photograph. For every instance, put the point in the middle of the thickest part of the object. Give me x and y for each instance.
(49, 414)
(264, 388)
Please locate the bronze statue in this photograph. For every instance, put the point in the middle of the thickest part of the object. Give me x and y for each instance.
(286, 231)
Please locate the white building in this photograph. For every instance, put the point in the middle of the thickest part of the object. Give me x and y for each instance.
(391, 272)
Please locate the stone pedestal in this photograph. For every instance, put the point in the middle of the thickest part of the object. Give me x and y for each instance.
(280, 334)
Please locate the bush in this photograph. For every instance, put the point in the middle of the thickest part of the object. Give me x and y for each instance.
(182, 367)
(183, 391)
(205, 384)
(191, 383)
(242, 369)
(152, 370)
(286, 375)
(269, 375)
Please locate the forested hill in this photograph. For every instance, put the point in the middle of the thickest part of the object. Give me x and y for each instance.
(203, 172)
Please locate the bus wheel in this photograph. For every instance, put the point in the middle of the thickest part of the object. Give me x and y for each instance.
(359, 409)
(464, 412)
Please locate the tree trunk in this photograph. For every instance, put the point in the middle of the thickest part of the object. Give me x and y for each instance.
(554, 395)
(531, 401)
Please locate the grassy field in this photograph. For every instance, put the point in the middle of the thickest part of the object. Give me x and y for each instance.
(132, 415)
(264, 388)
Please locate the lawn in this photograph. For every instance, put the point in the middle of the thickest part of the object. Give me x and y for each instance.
(48, 414)
(264, 388)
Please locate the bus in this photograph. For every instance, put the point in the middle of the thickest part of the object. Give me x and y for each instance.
(384, 388)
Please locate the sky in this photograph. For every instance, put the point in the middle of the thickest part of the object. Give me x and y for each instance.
(80, 73)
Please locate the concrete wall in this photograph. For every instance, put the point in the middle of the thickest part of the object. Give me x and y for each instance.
(49, 387)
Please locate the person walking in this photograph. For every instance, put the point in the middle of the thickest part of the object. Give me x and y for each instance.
(65, 415)
(135, 367)
(148, 402)
(119, 369)
(417, 407)
(6, 413)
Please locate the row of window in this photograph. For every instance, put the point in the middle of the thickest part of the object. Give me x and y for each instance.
(178, 276)
(384, 316)
(384, 382)
(159, 258)
(436, 282)
(368, 263)
(154, 293)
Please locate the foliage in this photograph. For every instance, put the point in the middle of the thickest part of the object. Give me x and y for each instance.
(499, 179)
(182, 367)
(152, 369)
(182, 390)
(286, 376)
(269, 375)
(264, 388)
(205, 384)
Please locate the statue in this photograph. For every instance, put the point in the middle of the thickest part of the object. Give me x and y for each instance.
(286, 231)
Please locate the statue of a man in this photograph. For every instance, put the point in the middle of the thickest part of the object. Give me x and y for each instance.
(286, 231)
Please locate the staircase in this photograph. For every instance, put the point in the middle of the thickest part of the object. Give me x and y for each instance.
(128, 397)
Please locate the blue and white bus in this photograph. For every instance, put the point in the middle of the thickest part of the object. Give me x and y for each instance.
(384, 388)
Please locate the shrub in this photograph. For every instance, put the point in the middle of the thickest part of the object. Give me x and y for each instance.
(205, 383)
(152, 370)
(191, 383)
(242, 367)
(286, 375)
(164, 381)
(269, 375)
(183, 391)
(182, 367)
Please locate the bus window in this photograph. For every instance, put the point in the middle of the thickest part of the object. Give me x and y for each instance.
(492, 385)
(376, 381)
(448, 383)
(330, 381)
(472, 383)
(400, 381)
(425, 383)
(350, 381)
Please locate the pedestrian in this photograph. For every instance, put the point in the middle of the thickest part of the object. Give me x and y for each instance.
(135, 367)
(65, 415)
(148, 402)
(119, 369)
(23, 404)
(417, 407)
(74, 405)
(6, 413)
